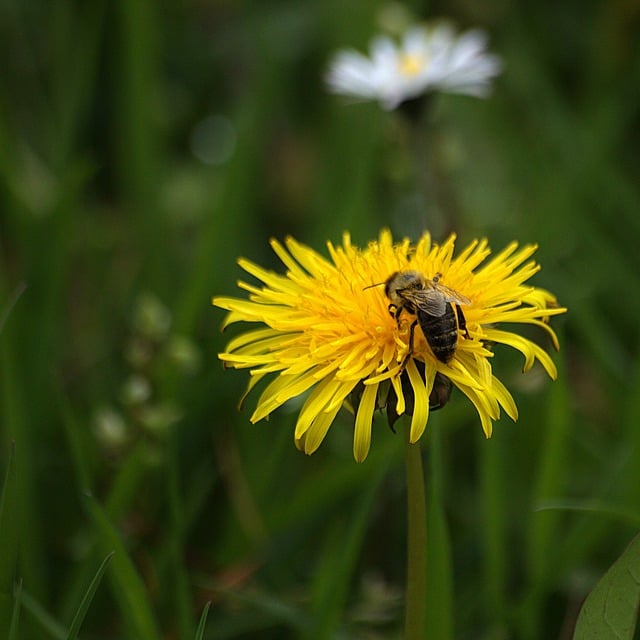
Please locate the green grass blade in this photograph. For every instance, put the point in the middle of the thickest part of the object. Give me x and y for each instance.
(266, 609)
(15, 617)
(177, 526)
(542, 556)
(8, 544)
(78, 446)
(137, 142)
(76, 35)
(15, 296)
(493, 496)
(615, 492)
(611, 609)
(203, 622)
(128, 588)
(606, 510)
(16, 425)
(47, 622)
(334, 572)
(78, 619)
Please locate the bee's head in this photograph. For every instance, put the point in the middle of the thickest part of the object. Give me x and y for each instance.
(401, 280)
(398, 281)
(389, 283)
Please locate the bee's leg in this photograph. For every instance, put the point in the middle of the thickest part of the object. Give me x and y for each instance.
(462, 323)
(412, 329)
(393, 311)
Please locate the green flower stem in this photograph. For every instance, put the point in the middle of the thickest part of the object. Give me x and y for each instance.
(415, 597)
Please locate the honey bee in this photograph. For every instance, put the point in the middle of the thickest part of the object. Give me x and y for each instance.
(436, 308)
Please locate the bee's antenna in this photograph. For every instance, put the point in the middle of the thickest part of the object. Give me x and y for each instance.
(377, 284)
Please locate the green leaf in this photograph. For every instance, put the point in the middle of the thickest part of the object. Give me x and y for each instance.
(203, 622)
(78, 619)
(611, 609)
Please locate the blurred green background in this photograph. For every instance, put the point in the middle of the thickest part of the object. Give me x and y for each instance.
(143, 148)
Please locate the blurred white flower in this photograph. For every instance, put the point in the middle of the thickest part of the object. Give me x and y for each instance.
(426, 59)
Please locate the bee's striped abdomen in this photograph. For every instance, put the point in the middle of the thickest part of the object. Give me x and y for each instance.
(440, 332)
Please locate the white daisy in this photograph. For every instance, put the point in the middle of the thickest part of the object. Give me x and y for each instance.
(426, 59)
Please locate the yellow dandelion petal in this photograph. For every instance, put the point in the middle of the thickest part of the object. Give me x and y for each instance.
(362, 431)
(529, 350)
(540, 298)
(401, 405)
(241, 310)
(482, 407)
(256, 341)
(424, 245)
(316, 432)
(341, 396)
(505, 398)
(544, 325)
(240, 361)
(275, 281)
(473, 254)
(326, 330)
(253, 381)
(287, 260)
(318, 400)
(283, 388)
(313, 263)
(421, 402)
(464, 371)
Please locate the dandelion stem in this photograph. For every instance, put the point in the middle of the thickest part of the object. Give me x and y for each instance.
(415, 597)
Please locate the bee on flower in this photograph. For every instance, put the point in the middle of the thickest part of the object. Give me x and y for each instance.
(327, 332)
(426, 59)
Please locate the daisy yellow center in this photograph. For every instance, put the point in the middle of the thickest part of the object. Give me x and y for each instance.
(411, 64)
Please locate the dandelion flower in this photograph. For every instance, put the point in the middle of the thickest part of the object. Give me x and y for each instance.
(326, 334)
(426, 59)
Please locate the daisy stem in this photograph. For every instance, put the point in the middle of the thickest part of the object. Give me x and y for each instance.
(415, 598)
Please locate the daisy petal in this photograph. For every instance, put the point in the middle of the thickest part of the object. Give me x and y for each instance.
(426, 59)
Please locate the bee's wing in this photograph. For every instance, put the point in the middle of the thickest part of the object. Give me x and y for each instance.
(430, 302)
(452, 296)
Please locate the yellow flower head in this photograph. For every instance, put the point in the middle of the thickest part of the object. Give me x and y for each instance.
(328, 331)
